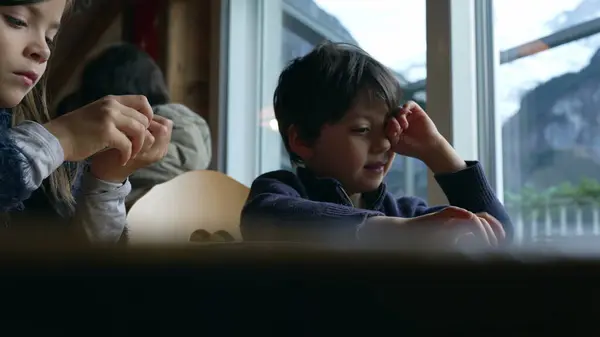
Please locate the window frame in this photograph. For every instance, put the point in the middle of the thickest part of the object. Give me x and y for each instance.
(259, 25)
(489, 123)
(253, 46)
(452, 100)
(252, 25)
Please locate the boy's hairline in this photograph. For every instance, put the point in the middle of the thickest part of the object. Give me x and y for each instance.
(285, 133)
(356, 101)
(334, 118)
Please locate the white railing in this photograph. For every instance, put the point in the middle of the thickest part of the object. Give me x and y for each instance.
(556, 220)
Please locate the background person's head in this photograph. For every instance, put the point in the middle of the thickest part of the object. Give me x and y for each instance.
(332, 106)
(123, 69)
(28, 29)
(70, 103)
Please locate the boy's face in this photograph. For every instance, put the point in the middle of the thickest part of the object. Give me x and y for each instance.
(355, 150)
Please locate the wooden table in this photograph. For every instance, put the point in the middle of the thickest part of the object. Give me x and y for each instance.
(235, 289)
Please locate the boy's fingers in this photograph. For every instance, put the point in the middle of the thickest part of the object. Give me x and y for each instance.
(410, 105)
(403, 121)
(495, 225)
(413, 107)
(486, 231)
(393, 131)
(456, 212)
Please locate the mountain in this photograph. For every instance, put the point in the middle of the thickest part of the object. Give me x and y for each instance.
(555, 135)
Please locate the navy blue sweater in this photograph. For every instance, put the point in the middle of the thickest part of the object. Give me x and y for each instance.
(283, 206)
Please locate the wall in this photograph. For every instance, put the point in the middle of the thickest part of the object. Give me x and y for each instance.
(182, 35)
(192, 60)
(188, 54)
(111, 35)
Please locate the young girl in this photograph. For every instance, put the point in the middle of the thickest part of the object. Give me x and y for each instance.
(120, 132)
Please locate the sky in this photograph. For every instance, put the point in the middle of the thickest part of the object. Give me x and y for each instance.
(393, 31)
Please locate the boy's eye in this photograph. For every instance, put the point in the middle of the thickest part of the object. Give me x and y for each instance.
(50, 42)
(12, 21)
(361, 130)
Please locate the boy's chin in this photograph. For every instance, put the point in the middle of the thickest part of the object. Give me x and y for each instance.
(371, 185)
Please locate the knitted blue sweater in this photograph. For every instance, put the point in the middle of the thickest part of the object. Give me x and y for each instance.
(12, 186)
(290, 207)
(14, 195)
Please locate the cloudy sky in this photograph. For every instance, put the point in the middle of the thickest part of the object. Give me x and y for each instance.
(394, 32)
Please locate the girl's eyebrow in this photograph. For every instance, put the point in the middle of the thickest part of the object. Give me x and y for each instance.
(37, 13)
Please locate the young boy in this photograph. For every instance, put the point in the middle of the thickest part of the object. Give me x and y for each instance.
(341, 120)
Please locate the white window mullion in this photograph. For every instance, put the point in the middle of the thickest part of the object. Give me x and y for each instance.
(452, 78)
(242, 122)
(271, 64)
(254, 49)
(488, 61)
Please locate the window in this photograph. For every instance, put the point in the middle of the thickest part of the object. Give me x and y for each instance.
(547, 90)
(518, 90)
(374, 27)
(302, 25)
(262, 35)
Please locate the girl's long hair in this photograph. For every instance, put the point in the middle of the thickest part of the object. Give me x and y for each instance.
(34, 107)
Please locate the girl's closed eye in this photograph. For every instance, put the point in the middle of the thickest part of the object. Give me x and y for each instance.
(18, 23)
(14, 22)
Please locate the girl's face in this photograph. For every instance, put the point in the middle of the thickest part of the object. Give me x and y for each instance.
(26, 36)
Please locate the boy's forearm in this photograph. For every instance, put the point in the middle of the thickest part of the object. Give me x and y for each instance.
(469, 189)
(443, 159)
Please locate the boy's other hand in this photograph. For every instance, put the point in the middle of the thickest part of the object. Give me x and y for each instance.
(449, 228)
(413, 134)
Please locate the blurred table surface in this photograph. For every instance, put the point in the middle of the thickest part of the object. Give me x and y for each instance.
(279, 288)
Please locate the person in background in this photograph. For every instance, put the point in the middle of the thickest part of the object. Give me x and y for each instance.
(124, 69)
(118, 134)
(341, 118)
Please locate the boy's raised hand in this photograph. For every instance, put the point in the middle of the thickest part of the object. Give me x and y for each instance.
(412, 133)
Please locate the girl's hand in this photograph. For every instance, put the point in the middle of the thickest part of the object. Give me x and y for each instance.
(107, 166)
(113, 122)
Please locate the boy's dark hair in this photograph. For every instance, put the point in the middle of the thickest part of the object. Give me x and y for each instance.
(320, 87)
(123, 69)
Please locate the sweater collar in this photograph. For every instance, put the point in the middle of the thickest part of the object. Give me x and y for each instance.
(5, 118)
(331, 190)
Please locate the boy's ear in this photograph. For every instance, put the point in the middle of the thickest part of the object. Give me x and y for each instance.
(298, 145)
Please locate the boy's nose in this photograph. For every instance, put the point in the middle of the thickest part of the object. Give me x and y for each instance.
(381, 144)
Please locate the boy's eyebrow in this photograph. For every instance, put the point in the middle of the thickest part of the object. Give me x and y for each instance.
(38, 13)
(355, 115)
